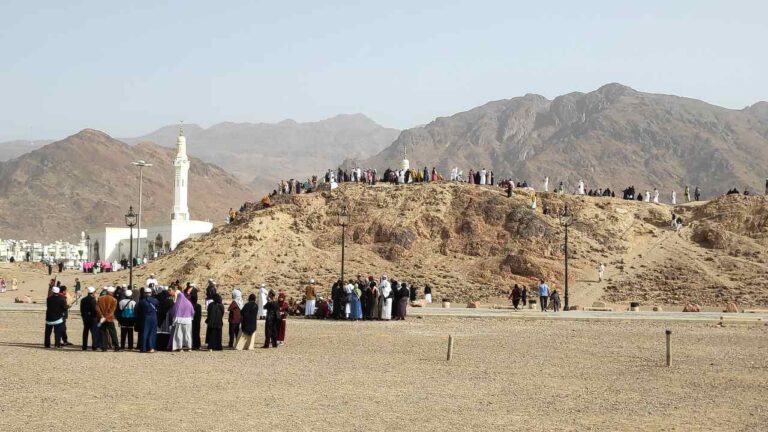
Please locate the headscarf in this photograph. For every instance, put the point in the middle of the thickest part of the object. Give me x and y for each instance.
(182, 308)
(237, 297)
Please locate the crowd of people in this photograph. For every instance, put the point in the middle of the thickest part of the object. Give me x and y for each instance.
(169, 318)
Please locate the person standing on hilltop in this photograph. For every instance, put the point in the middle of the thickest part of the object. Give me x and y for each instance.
(674, 198)
(546, 184)
(483, 173)
(766, 186)
(581, 187)
(687, 194)
(543, 294)
(655, 196)
(697, 194)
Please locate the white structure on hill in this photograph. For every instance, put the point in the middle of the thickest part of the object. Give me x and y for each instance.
(159, 238)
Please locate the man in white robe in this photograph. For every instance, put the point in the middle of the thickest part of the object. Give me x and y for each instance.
(546, 184)
(674, 198)
(262, 301)
(483, 173)
(655, 196)
(385, 290)
(581, 187)
(647, 196)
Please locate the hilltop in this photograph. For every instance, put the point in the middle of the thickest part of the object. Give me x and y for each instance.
(611, 137)
(473, 243)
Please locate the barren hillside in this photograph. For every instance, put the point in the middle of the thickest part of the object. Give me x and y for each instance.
(473, 242)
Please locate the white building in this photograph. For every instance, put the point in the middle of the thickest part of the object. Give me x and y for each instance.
(112, 244)
(58, 250)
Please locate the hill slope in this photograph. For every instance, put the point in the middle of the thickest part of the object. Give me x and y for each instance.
(263, 154)
(472, 242)
(611, 137)
(87, 180)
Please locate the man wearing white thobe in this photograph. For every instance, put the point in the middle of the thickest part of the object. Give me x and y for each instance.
(546, 184)
(262, 300)
(311, 295)
(483, 173)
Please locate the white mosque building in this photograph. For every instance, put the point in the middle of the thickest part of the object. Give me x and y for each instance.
(112, 243)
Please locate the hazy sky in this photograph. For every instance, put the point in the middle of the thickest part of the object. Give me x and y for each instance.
(129, 68)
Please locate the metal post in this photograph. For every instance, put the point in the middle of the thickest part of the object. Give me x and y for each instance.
(450, 348)
(130, 265)
(566, 269)
(669, 345)
(138, 233)
(343, 243)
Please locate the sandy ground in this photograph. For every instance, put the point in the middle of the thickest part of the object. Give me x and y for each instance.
(506, 374)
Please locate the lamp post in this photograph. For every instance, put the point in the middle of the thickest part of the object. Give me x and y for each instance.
(130, 220)
(343, 221)
(88, 246)
(566, 219)
(141, 164)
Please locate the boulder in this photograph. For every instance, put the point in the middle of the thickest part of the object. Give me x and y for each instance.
(473, 305)
(418, 303)
(731, 308)
(575, 307)
(23, 299)
(598, 304)
(690, 307)
(658, 309)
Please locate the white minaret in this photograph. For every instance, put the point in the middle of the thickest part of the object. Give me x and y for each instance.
(180, 209)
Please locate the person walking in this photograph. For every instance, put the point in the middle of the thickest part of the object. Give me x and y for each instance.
(515, 296)
(524, 295)
(543, 294)
(105, 311)
(600, 272)
(215, 323)
(88, 315)
(428, 293)
(555, 297)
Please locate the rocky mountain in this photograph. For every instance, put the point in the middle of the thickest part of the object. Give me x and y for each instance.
(611, 137)
(262, 153)
(87, 180)
(473, 243)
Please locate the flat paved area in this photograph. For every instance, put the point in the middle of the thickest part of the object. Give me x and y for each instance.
(520, 374)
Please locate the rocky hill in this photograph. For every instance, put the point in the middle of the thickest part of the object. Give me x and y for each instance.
(611, 137)
(261, 153)
(87, 180)
(473, 243)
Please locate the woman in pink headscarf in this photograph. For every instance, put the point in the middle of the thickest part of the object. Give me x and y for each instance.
(181, 315)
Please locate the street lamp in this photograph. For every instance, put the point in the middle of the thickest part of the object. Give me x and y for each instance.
(343, 221)
(88, 246)
(566, 219)
(141, 164)
(130, 220)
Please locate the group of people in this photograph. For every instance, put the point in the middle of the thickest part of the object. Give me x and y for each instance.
(359, 299)
(165, 318)
(549, 299)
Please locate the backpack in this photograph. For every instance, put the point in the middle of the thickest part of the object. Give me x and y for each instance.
(128, 312)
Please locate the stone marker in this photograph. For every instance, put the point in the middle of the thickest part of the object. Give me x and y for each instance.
(473, 305)
(23, 299)
(598, 304)
(690, 307)
(731, 308)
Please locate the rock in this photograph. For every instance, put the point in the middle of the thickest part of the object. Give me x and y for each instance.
(690, 307)
(658, 309)
(472, 305)
(575, 307)
(23, 299)
(446, 305)
(598, 304)
(418, 303)
(731, 308)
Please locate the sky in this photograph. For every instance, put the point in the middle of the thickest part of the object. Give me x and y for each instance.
(128, 68)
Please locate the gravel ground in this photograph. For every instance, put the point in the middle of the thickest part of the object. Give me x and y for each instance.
(527, 375)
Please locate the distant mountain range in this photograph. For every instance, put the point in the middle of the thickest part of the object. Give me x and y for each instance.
(262, 154)
(87, 180)
(611, 137)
